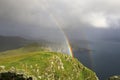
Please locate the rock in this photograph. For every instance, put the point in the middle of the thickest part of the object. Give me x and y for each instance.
(114, 78)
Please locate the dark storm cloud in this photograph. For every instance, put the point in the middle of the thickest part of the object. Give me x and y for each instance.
(32, 18)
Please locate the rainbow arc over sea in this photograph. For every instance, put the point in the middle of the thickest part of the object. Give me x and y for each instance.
(60, 27)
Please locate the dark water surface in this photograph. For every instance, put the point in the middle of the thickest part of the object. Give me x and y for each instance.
(104, 58)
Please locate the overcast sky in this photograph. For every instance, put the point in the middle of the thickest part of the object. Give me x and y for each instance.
(35, 18)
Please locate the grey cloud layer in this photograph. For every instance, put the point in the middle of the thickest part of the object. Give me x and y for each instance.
(33, 11)
(22, 17)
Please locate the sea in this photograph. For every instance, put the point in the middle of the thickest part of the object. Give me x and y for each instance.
(103, 58)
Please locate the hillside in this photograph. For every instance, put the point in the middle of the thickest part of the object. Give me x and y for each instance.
(11, 42)
(41, 64)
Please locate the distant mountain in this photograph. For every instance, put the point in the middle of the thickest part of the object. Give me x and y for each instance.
(11, 42)
(14, 42)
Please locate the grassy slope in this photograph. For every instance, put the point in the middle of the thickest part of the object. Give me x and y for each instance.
(44, 65)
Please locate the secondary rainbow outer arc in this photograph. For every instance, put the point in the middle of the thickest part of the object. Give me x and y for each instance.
(90, 57)
(60, 28)
(90, 52)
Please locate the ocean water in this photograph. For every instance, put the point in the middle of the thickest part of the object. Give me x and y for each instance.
(104, 58)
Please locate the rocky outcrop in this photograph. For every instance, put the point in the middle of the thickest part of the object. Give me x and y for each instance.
(114, 78)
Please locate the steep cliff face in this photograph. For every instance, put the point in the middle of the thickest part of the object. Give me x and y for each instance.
(44, 65)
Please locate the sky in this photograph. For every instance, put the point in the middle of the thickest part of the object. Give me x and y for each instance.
(43, 18)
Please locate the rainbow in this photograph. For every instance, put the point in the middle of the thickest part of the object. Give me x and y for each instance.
(64, 35)
(60, 28)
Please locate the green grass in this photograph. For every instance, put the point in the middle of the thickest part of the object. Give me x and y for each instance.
(45, 65)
